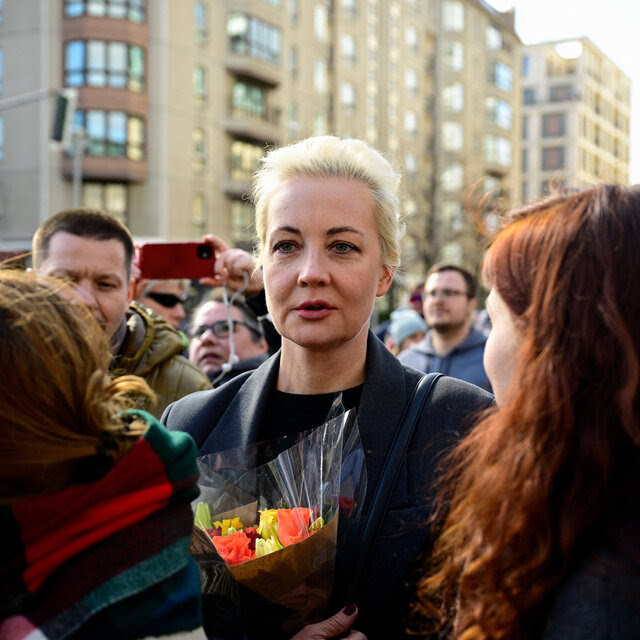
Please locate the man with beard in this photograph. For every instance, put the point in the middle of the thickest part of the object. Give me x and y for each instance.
(451, 346)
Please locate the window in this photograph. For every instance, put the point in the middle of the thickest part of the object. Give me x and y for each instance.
(525, 127)
(454, 56)
(348, 96)
(112, 197)
(199, 82)
(498, 111)
(452, 177)
(410, 121)
(242, 223)
(349, 7)
(453, 97)
(320, 23)
(411, 81)
(501, 75)
(200, 22)
(560, 93)
(453, 15)
(411, 38)
(198, 210)
(132, 10)
(96, 63)
(249, 101)
(253, 37)
(452, 213)
(294, 12)
(348, 48)
(199, 155)
(293, 62)
(526, 65)
(452, 136)
(112, 133)
(410, 164)
(244, 159)
(554, 124)
(525, 160)
(1, 71)
(319, 124)
(494, 38)
(1, 137)
(497, 149)
(320, 76)
(552, 158)
(529, 96)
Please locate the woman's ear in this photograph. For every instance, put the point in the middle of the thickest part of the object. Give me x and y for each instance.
(385, 280)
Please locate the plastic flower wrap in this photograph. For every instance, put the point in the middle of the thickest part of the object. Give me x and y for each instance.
(265, 533)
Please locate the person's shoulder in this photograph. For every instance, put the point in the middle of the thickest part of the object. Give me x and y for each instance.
(599, 599)
(460, 391)
(188, 412)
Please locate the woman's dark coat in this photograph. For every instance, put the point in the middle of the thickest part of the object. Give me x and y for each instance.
(231, 415)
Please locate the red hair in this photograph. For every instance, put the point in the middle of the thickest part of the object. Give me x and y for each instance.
(530, 484)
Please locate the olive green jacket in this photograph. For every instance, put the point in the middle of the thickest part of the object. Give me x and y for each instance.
(152, 349)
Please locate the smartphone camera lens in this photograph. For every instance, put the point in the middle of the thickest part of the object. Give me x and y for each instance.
(204, 251)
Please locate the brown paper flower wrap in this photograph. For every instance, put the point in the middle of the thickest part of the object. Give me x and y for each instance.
(323, 471)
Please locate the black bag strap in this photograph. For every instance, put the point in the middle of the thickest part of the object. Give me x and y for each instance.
(389, 475)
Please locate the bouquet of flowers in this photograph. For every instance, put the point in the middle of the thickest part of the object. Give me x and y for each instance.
(265, 533)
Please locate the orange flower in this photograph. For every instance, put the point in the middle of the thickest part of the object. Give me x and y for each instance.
(234, 548)
(293, 524)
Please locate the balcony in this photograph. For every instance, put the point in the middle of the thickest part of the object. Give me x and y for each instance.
(242, 123)
(252, 67)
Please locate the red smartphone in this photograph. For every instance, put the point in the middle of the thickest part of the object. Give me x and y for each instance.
(171, 260)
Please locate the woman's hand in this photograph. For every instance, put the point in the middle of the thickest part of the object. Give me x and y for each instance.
(230, 268)
(337, 626)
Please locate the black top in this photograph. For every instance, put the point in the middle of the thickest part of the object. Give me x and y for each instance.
(292, 413)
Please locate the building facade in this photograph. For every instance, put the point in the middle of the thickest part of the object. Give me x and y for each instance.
(575, 119)
(177, 101)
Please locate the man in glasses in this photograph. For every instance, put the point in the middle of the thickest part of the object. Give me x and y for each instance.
(93, 251)
(164, 297)
(225, 340)
(452, 346)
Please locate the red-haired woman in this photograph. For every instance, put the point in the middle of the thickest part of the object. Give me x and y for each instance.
(542, 534)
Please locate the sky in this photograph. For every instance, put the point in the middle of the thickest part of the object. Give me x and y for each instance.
(613, 26)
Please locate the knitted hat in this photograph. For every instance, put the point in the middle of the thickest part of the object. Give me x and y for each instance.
(404, 323)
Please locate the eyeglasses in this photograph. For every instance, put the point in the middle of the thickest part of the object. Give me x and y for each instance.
(166, 299)
(220, 329)
(445, 293)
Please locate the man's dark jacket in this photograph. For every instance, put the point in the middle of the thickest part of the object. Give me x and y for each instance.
(231, 415)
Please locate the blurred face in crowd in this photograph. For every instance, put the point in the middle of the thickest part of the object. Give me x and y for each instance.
(322, 262)
(166, 298)
(502, 345)
(447, 306)
(209, 347)
(98, 272)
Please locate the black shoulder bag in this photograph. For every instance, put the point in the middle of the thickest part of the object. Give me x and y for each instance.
(388, 477)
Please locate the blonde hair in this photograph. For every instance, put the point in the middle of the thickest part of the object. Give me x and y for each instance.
(330, 157)
(61, 411)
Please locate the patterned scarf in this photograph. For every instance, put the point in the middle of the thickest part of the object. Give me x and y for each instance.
(106, 559)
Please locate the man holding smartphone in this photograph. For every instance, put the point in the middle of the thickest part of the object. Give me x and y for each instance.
(94, 251)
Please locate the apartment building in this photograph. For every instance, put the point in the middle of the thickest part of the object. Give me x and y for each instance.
(178, 100)
(576, 117)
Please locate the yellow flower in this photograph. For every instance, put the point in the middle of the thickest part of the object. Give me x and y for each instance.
(233, 524)
(264, 547)
(268, 523)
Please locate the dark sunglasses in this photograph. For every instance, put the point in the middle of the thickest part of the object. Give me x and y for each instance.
(220, 329)
(166, 299)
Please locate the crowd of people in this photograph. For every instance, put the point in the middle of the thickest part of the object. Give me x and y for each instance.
(509, 513)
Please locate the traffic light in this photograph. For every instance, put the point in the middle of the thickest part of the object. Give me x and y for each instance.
(66, 101)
